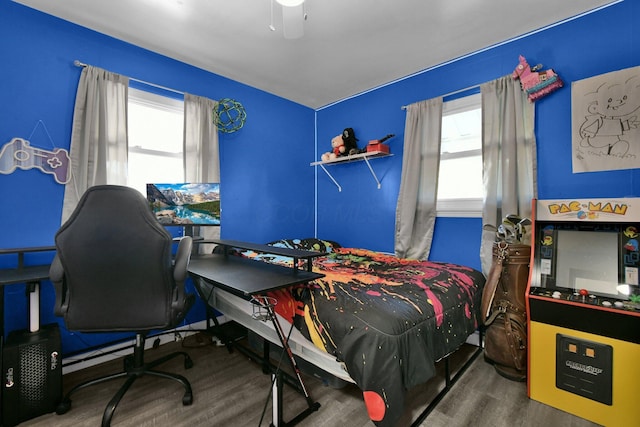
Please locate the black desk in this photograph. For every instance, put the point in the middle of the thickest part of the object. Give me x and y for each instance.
(295, 254)
(245, 277)
(31, 275)
(22, 274)
(251, 280)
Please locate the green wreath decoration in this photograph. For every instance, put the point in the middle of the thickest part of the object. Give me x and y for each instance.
(230, 115)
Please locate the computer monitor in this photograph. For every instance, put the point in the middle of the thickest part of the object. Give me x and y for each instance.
(185, 204)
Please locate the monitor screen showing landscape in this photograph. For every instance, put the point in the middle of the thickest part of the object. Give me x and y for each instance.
(185, 204)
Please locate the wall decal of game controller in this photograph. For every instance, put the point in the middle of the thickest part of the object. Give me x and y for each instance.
(18, 153)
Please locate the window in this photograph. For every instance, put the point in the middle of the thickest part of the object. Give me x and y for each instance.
(460, 174)
(155, 139)
(156, 148)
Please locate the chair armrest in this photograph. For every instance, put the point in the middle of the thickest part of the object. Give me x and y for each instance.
(183, 254)
(56, 275)
(181, 302)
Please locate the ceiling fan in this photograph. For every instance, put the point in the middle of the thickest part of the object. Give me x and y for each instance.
(293, 17)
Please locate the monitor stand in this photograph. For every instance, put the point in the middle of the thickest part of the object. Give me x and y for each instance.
(193, 231)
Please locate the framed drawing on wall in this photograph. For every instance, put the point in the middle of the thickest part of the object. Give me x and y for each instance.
(606, 121)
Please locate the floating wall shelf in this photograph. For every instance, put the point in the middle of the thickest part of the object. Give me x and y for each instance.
(354, 158)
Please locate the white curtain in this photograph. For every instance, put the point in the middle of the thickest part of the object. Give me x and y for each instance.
(99, 135)
(416, 207)
(508, 157)
(201, 151)
(201, 163)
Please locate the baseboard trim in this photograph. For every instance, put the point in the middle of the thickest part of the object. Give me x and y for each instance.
(96, 357)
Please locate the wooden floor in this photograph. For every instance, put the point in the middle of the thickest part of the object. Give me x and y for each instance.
(231, 390)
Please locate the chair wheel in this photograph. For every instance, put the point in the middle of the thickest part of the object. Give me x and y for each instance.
(188, 363)
(63, 407)
(187, 399)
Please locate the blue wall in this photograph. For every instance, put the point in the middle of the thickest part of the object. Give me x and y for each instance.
(269, 189)
(267, 185)
(362, 215)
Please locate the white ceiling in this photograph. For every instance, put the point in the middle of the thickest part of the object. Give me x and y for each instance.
(348, 47)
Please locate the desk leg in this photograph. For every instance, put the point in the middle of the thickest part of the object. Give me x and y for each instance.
(276, 400)
(286, 348)
(277, 381)
(33, 291)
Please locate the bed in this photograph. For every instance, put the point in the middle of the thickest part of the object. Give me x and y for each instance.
(376, 320)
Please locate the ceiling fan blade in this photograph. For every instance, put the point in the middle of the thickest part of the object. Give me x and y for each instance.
(292, 21)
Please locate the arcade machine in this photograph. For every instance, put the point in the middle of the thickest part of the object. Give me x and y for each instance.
(583, 302)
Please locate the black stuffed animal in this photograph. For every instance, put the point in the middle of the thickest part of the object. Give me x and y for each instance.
(350, 142)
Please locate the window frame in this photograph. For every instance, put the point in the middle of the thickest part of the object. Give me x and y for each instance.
(162, 102)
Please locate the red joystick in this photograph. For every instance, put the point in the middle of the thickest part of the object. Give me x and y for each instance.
(583, 293)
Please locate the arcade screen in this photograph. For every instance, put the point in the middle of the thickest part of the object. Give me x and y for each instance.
(601, 258)
(587, 260)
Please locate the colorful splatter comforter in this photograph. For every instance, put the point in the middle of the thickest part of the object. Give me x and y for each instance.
(388, 319)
